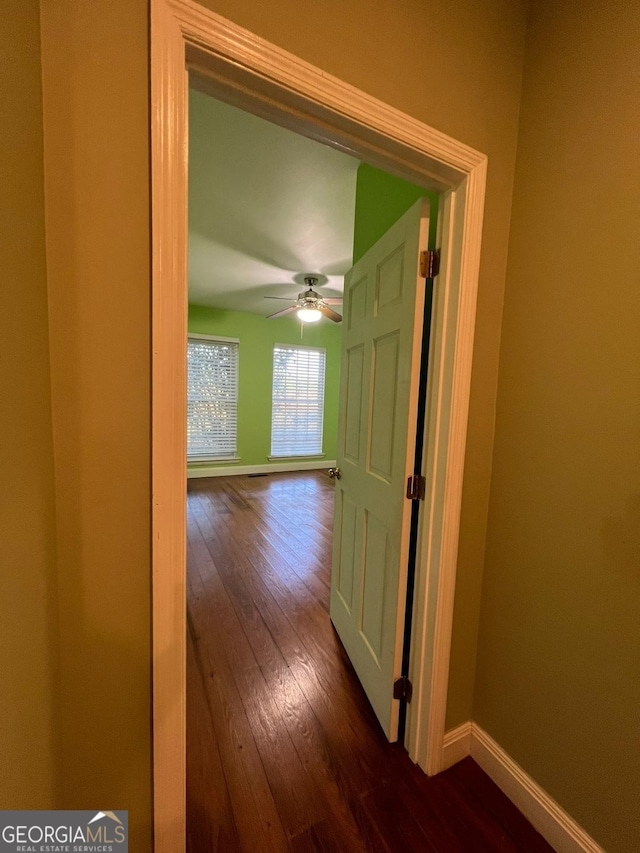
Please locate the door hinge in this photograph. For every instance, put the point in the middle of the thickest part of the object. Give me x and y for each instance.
(430, 263)
(416, 487)
(402, 689)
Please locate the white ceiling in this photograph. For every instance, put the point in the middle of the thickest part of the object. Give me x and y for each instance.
(266, 207)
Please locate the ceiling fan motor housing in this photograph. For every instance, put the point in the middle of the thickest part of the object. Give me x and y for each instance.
(310, 300)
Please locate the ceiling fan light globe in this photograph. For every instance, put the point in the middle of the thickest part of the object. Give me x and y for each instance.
(309, 315)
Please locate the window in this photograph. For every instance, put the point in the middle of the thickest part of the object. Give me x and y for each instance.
(297, 400)
(212, 398)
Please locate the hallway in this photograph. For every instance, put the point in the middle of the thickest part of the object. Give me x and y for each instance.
(283, 750)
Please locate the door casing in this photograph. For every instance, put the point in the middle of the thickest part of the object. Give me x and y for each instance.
(237, 66)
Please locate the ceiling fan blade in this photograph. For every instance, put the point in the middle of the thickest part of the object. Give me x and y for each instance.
(284, 311)
(331, 300)
(278, 297)
(329, 314)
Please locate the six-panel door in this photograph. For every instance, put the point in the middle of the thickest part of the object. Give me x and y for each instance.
(382, 329)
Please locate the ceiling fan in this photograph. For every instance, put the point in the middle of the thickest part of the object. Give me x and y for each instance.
(309, 305)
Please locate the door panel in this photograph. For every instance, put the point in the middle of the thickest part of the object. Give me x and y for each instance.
(383, 405)
(383, 303)
(375, 573)
(356, 303)
(389, 281)
(349, 528)
(354, 365)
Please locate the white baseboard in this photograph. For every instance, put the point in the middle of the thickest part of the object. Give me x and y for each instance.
(550, 819)
(456, 745)
(269, 468)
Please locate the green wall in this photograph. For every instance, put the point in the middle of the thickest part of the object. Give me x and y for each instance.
(381, 199)
(257, 335)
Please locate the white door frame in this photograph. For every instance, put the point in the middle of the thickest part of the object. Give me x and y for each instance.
(243, 69)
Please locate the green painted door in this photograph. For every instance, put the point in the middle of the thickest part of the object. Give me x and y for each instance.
(382, 334)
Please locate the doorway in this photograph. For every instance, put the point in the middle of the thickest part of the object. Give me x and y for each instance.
(265, 387)
(265, 669)
(283, 88)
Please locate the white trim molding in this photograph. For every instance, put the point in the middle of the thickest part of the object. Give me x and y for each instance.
(246, 71)
(456, 745)
(168, 427)
(196, 336)
(272, 468)
(555, 825)
(549, 818)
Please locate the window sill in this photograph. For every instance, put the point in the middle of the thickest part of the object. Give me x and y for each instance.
(206, 460)
(306, 456)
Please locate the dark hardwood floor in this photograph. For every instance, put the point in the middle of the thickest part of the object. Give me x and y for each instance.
(283, 750)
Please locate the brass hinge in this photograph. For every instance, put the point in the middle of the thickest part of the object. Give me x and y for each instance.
(416, 487)
(402, 689)
(430, 263)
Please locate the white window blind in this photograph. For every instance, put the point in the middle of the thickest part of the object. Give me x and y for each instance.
(212, 398)
(297, 401)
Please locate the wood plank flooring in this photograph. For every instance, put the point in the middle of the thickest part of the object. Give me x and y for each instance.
(283, 750)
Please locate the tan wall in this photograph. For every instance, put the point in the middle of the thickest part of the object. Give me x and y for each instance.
(558, 679)
(95, 64)
(456, 66)
(27, 591)
(559, 653)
